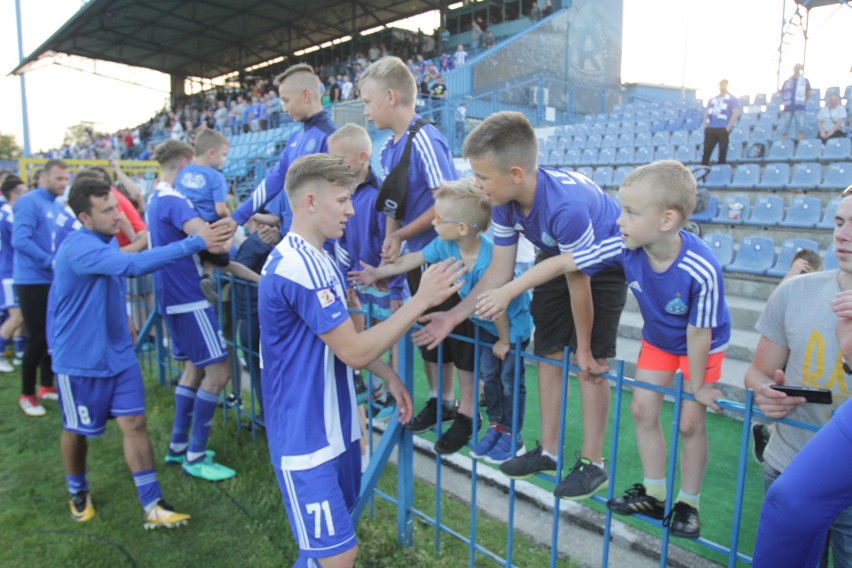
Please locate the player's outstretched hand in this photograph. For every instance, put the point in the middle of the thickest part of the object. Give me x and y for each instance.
(492, 303)
(227, 222)
(404, 406)
(390, 249)
(365, 277)
(216, 238)
(440, 281)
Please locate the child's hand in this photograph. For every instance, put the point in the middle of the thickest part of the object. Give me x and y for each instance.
(492, 303)
(405, 408)
(500, 349)
(708, 396)
(440, 281)
(590, 368)
(390, 249)
(364, 277)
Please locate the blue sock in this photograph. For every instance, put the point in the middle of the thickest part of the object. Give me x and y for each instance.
(3, 343)
(205, 406)
(148, 488)
(77, 483)
(184, 404)
(20, 345)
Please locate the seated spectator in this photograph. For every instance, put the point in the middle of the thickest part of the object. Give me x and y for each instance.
(832, 119)
(804, 262)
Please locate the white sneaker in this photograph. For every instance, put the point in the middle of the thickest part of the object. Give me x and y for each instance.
(30, 406)
(6, 366)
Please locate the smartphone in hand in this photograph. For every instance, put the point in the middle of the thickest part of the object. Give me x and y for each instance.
(816, 396)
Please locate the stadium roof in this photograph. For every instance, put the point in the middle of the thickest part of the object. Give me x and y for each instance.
(209, 38)
(817, 3)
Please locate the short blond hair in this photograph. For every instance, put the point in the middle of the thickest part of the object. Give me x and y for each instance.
(209, 139)
(305, 77)
(355, 136)
(508, 137)
(469, 203)
(170, 152)
(391, 73)
(672, 183)
(307, 170)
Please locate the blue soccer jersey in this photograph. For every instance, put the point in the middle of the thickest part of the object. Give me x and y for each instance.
(364, 234)
(177, 286)
(34, 236)
(430, 163)
(7, 252)
(689, 292)
(720, 109)
(88, 330)
(569, 211)
(205, 187)
(520, 322)
(312, 140)
(308, 393)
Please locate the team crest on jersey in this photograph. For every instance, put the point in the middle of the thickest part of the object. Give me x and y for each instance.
(325, 297)
(676, 307)
(193, 181)
(310, 146)
(548, 240)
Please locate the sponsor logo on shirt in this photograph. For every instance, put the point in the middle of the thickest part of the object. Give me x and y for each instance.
(635, 285)
(310, 146)
(325, 297)
(676, 307)
(193, 181)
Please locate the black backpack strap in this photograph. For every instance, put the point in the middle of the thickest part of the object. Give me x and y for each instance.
(405, 159)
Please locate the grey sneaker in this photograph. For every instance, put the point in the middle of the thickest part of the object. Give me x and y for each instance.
(528, 465)
(584, 480)
(683, 521)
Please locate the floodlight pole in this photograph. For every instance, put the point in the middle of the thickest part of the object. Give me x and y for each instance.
(23, 82)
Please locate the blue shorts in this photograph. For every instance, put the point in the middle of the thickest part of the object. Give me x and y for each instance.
(319, 502)
(196, 337)
(7, 296)
(88, 402)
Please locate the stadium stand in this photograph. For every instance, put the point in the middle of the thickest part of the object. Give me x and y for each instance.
(785, 256)
(722, 245)
(767, 210)
(755, 255)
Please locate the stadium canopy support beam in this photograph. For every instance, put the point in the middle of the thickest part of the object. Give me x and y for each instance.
(177, 88)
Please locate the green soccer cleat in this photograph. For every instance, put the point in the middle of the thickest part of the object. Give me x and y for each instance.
(208, 470)
(177, 459)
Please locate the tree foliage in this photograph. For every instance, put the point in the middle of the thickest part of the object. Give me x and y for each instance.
(9, 149)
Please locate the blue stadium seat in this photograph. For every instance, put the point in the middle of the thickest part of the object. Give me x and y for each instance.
(642, 139)
(760, 134)
(624, 155)
(746, 176)
(696, 137)
(685, 154)
(643, 155)
(719, 175)
(847, 94)
(781, 150)
(755, 255)
(827, 221)
(831, 91)
(564, 143)
(837, 176)
(589, 157)
(625, 141)
(768, 210)
(542, 159)
(808, 150)
(606, 157)
(807, 175)
(739, 135)
(603, 176)
(660, 139)
(578, 142)
(830, 260)
(785, 258)
(619, 174)
(775, 176)
(760, 99)
(709, 213)
(549, 143)
(679, 138)
(642, 125)
(803, 212)
(609, 141)
(572, 157)
(722, 246)
(664, 152)
(767, 119)
(837, 149)
(586, 171)
(593, 141)
(733, 209)
(554, 158)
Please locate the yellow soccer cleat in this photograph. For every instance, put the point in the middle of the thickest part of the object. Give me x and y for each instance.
(81, 507)
(162, 515)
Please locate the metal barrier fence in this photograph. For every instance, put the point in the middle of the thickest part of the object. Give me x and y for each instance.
(237, 315)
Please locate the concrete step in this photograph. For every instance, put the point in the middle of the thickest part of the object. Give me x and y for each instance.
(749, 285)
(741, 346)
(744, 311)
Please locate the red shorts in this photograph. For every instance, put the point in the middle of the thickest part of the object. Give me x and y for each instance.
(653, 359)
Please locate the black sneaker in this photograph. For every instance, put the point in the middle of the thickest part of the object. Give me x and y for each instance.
(636, 501)
(428, 417)
(456, 436)
(683, 521)
(761, 435)
(585, 480)
(528, 465)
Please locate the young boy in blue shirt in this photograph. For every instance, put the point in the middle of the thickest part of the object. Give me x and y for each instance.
(557, 211)
(677, 282)
(310, 347)
(93, 356)
(207, 189)
(461, 216)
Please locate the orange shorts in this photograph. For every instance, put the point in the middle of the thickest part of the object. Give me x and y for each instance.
(653, 359)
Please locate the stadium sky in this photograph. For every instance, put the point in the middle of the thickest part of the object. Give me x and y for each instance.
(671, 42)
